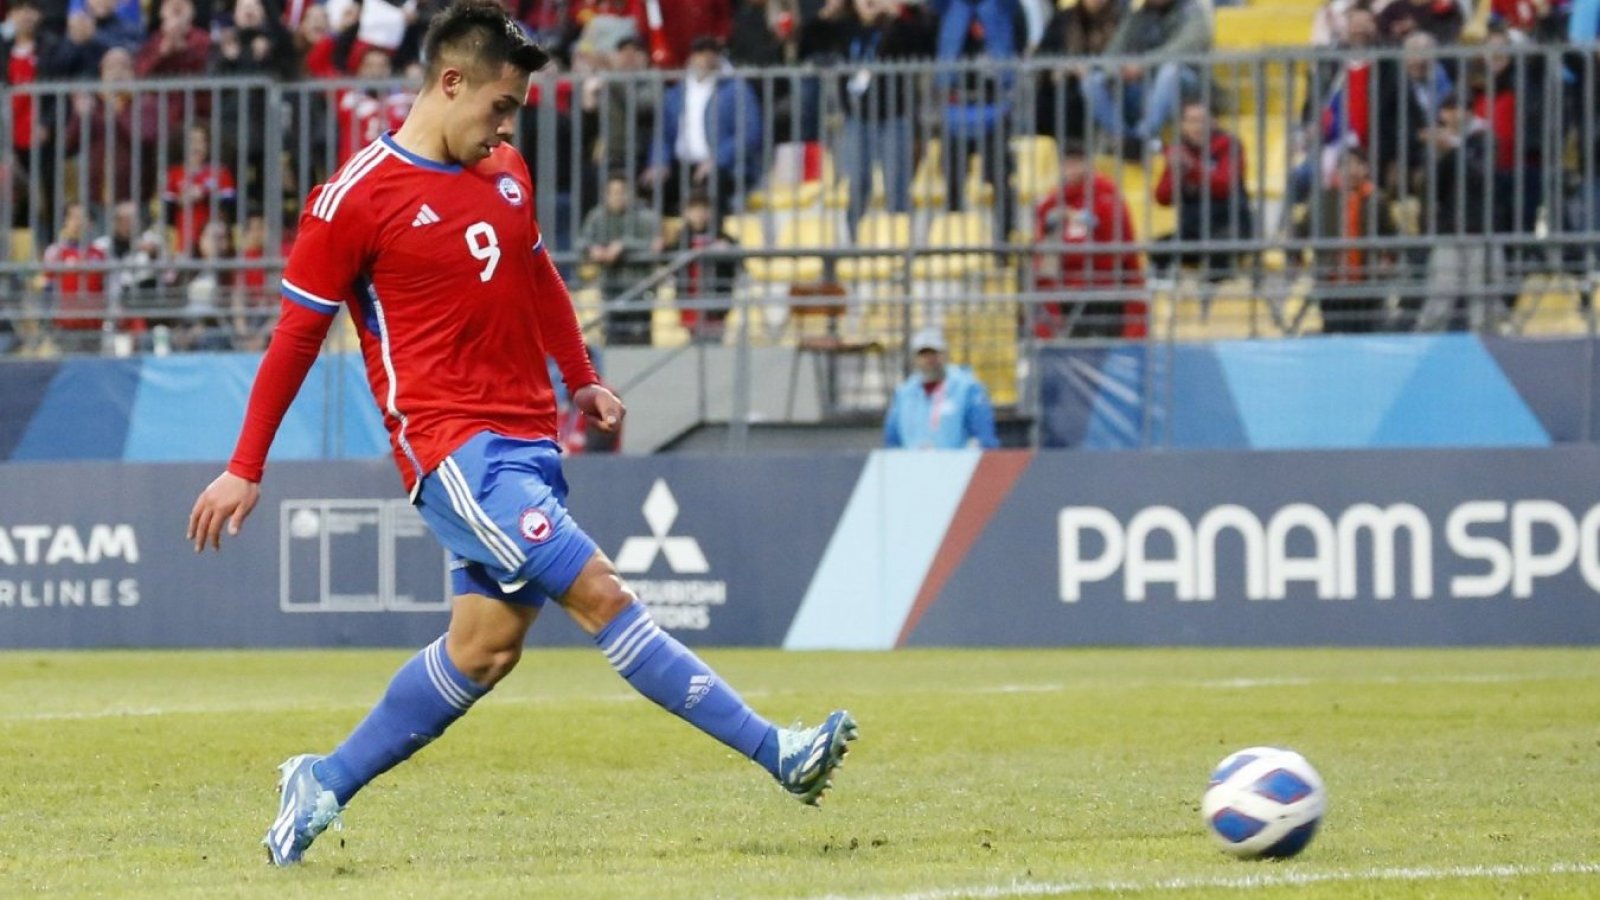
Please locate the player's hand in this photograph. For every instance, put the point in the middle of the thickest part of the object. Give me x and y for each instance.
(598, 403)
(226, 501)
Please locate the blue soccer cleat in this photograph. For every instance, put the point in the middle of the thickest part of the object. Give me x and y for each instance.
(807, 758)
(304, 812)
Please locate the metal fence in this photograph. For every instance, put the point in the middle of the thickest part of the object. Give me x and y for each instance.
(1277, 193)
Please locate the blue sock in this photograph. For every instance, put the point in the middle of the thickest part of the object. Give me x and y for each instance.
(667, 672)
(424, 697)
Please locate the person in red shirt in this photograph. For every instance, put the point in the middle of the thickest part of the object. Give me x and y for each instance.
(192, 188)
(427, 236)
(78, 292)
(177, 47)
(22, 54)
(366, 114)
(1205, 179)
(1088, 208)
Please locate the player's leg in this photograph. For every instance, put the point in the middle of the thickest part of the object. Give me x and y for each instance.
(428, 693)
(658, 666)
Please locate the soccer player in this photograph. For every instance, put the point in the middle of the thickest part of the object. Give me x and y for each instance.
(427, 236)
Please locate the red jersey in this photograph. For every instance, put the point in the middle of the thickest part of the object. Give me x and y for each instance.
(364, 117)
(22, 68)
(191, 216)
(76, 291)
(453, 295)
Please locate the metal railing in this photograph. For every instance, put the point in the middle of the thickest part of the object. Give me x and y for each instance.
(923, 191)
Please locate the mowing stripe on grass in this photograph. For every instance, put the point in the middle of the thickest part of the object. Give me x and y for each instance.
(1241, 882)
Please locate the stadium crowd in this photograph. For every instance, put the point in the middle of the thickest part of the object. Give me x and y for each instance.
(165, 188)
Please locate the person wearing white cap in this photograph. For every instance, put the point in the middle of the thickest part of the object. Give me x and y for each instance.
(939, 406)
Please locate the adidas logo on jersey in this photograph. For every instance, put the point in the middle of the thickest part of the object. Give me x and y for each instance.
(425, 216)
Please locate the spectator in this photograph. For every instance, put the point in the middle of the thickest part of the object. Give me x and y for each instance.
(1348, 280)
(710, 130)
(1508, 98)
(314, 44)
(177, 47)
(1078, 34)
(253, 45)
(129, 16)
(940, 406)
(252, 304)
(23, 48)
(1205, 179)
(704, 279)
(683, 24)
(1443, 19)
(1457, 189)
(137, 281)
(879, 107)
(1149, 93)
(77, 56)
(111, 126)
(1088, 208)
(1359, 102)
(1328, 28)
(1426, 78)
(762, 37)
(115, 24)
(78, 293)
(978, 115)
(207, 295)
(193, 187)
(753, 36)
(618, 236)
(1582, 210)
(366, 113)
(1536, 20)
(628, 109)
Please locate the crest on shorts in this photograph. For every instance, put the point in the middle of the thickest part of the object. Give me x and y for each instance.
(509, 189)
(535, 526)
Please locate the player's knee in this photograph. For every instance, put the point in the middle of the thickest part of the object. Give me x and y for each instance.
(487, 664)
(597, 597)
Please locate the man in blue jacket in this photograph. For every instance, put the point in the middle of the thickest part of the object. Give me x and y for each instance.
(940, 406)
(710, 136)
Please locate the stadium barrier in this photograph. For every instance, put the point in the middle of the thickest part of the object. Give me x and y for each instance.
(943, 228)
(1006, 548)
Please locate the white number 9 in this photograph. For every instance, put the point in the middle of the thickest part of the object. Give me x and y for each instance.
(484, 244)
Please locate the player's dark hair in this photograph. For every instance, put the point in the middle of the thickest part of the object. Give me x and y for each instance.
(482, 33)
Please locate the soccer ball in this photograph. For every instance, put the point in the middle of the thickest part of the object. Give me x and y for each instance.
(1264, 802)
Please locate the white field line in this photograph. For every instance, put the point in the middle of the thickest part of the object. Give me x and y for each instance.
(203, 709)
(1272, 682)
(1235, 883)
(200, 709)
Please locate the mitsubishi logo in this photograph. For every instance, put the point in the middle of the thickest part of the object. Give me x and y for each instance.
(683, 554)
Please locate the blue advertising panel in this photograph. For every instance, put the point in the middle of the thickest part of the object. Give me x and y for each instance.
(94, 554)
(1311, 548)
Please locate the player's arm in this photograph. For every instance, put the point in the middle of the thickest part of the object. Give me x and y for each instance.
(229, 498)
(327, 257)
(558, 322)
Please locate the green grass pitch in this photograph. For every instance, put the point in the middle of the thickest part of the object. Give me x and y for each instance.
(979, 773)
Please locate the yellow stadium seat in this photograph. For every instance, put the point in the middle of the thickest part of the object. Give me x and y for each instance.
(819, 230)
(927, 183)
(956, 229)
(779, 193)
(1038, 172)
(888, 231)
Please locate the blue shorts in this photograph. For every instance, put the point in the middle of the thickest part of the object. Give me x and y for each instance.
(498, 504)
